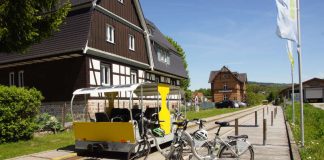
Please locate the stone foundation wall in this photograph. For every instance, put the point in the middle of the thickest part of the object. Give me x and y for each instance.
(82, 112)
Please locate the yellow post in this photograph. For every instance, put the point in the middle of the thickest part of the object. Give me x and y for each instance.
(111, 97)
(164, 114)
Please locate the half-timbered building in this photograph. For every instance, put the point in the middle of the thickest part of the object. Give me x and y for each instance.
(101, 42)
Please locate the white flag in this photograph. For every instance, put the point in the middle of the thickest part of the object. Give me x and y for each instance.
(287, 19)
(290, 52)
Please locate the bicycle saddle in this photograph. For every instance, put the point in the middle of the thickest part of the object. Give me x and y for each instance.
(182, 123)
(222, 124)
(237, 137)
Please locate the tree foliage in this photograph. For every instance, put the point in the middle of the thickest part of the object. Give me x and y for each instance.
(25, 22)
(258, 92)
(205, 91)
(185, 83)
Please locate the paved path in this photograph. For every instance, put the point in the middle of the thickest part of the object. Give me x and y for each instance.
(276, 148)
(318, 105)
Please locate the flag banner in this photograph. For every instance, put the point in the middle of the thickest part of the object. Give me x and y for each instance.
(290, 52)
(287, 20)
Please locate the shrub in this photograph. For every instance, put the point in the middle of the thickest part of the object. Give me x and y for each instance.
(46, 122)
(18, 109)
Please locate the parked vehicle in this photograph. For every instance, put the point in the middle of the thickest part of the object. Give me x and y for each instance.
(241, 104)
(95, 133)
(227, 104)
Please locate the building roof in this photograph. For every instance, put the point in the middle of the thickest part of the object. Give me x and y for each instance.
(158, 37)
(311, 83)
(242, 77)
(71, 37)
(176, 66)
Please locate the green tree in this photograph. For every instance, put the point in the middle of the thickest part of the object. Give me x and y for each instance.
(25, 22)
(185, 83)
(270, 97)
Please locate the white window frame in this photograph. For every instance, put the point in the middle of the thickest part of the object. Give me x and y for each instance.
(121, 1)
(21, 78)
(105, 74)
(225, 97)
(11, 78)
(133, 78)
(225, 86)
(163, 56)
(110, 33)
(131, 42)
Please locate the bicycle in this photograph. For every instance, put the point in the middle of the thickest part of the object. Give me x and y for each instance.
(235, 147)
(152, 129)
(142, 148)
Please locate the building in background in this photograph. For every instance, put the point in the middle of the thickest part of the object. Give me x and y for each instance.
(227, 85)
(313, 90)
(101, 43)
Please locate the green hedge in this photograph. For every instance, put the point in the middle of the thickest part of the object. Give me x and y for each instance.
(18, 109)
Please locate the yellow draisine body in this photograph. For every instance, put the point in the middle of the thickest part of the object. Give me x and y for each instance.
(164, 114)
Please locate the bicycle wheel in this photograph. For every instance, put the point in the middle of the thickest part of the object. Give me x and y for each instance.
(141, 149)
(246, 153)
(177, 153)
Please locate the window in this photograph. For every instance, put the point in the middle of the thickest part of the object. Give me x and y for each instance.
(168, 80)
(133, 77)
(11, 78)
(131, 42)
(105, 74)
(121, 1)
(225, 86)
(21, 78)
(163, 56)
(110, 34)
(225, 97)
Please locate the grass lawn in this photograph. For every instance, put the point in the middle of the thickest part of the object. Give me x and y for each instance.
(211, 112)
(314, 130)
(37, 144)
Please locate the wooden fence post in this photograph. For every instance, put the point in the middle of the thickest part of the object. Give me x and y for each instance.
(236, 126)
(256, 118)
(271, 118)
(264, 131)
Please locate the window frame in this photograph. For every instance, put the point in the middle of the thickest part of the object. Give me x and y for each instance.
(121, 1)
(11, 78)
(163, 55)
(225, 87)
(131, 42)
(110, 33)
(133, 73)
(225, 97)
(105, 74)
(21, 78)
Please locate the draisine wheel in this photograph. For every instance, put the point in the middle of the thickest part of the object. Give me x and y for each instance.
(141, 149)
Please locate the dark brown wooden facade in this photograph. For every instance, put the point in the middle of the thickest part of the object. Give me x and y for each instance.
(97, 38)
(56, 79)
(73, 57)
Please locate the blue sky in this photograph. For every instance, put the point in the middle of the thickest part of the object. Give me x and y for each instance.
(239, 34)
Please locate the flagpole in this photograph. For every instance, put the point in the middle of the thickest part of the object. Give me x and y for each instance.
(301, 97)
(293, 93)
